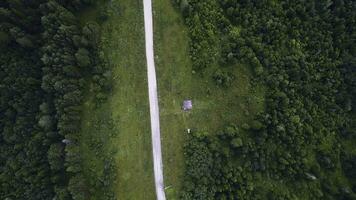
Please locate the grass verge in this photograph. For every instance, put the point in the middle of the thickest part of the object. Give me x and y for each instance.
(119, 129)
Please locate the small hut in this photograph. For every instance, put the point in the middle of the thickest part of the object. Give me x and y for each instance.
(187, 105)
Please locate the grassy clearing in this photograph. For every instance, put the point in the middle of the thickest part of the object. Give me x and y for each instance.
(119, 129)
(213, 107)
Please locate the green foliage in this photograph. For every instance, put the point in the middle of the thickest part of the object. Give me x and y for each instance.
(202, 22)
(236, 142)
(303, 53)
(41, 94)
(103, 14)
(4, 38)
(82, 56)
(77, 188)
(55, 157)
(256, 125)
(184, 6)
(25, 42)
(91, 31)
(223, 79)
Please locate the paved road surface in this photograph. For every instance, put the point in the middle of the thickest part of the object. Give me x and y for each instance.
(154, 111)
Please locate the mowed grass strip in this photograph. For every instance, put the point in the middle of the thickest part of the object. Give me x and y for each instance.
(174, 84)
(213, 107)
(127, 138)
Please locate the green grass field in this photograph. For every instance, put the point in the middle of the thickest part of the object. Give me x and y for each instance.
(120, 127)
(213, 107)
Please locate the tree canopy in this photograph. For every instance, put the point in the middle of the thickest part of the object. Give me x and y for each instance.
(299, 147)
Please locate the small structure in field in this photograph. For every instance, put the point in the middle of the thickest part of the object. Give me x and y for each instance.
(187, 105)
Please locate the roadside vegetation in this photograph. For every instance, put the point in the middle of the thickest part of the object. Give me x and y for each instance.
(115, 125)
(298, 147)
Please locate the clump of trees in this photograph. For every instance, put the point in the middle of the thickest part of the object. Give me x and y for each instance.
(303, 53)
(203, 20)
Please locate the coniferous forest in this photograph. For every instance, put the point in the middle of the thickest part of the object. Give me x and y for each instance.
(46, 57)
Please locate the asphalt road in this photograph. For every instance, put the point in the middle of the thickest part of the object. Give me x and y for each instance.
(154, 110)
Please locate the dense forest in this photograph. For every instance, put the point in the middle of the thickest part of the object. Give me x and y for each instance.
(302, 146)
(46, 58)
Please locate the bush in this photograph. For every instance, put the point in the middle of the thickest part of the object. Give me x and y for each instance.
(82, 57)
(223, 79)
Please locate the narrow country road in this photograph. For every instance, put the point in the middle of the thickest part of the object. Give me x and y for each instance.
(154, 111)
